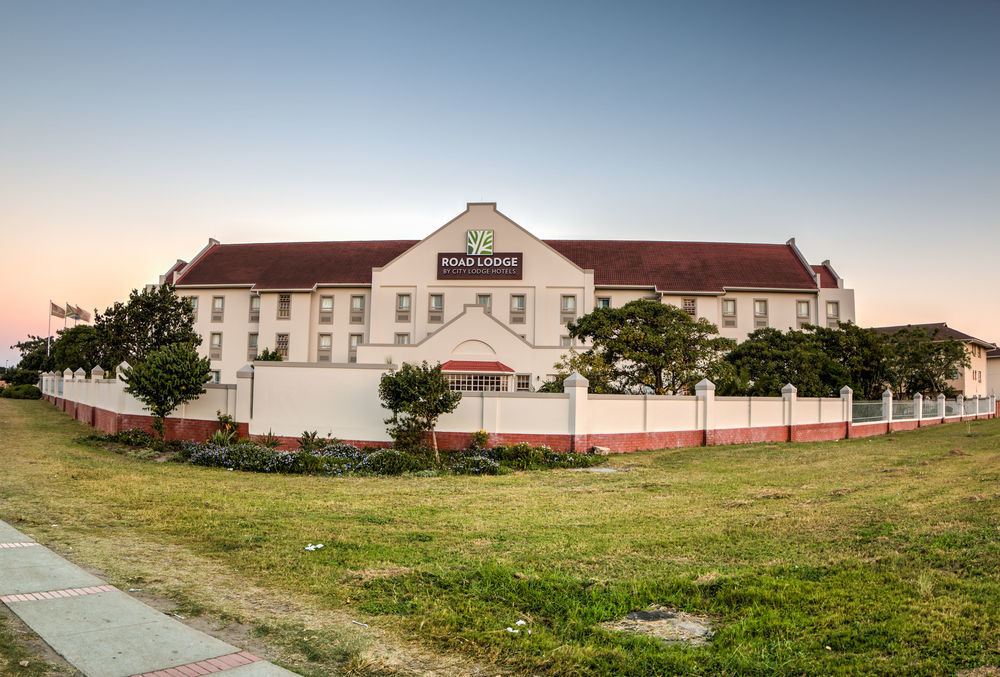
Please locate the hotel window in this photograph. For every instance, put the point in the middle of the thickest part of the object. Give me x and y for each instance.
(833, 314)
(402, 339)
(357, 310)
(193, 302)
(402, 307)
(251, 346)
(603, 302)
(802, 313)
(218, 308)
(486, 301)
(281, 345)
(478, 382)
(216, 376)
(352, 347)
(565, 341)
(215, 346)
(517, 308)
(759, 313)
(728, 312)
(524, 382)
(323, 347)
(690, 307)
(435, 309)
(567, 308)
(326, 310)
(254, 308)
(284, 306)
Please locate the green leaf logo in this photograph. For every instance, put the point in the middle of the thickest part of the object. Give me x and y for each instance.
(479, 242)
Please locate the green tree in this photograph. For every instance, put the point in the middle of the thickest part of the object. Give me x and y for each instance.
(267, 355)
(167, 378)
(417, 395)
(34, 360)
(591, 366)
(76, 348)
(923, 363)
(655, 346)
(769, 358)
(865, 354)
(149, 320)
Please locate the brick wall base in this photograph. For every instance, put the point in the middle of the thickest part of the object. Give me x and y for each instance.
(200, 430)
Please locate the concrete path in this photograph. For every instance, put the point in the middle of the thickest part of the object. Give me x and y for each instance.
(102, 631)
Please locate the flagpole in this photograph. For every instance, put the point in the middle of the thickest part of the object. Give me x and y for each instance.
(48, 336)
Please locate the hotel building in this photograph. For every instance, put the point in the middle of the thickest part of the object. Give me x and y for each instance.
(481, 295)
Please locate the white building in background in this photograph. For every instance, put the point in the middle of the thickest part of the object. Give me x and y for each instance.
(481, 295)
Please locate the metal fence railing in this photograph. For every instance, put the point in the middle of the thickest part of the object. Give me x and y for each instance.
(867, 411)
(951, 408)
(970, 407)
(984, 406)
(930, 408)
(903, 409)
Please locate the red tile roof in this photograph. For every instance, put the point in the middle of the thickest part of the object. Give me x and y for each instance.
(472, 365)
(688, 266)
(939, 330)
(292, 265)
(826, 278)
(667, 266)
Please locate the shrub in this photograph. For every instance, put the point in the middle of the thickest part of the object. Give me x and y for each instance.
(267, 355)
(270, 440)
(475, 465)
(394, 462)
(309, 441)
(133, 437)
(480, 439)
(244, 455)
(222, 438)
(227, 428)
(22, 392)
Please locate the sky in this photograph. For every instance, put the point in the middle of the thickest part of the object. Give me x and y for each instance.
(131, 132)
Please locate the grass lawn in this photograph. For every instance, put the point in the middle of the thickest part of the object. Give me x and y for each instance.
(878, 556)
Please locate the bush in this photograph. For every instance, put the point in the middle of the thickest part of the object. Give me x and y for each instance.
(475, 465)
(270, 440)
(394, 462)
(480, 439)
(133, 437)
(22, 392)
(243, 455)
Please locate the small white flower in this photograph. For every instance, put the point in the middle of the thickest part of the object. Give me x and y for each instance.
(513, 631)
(520, 623)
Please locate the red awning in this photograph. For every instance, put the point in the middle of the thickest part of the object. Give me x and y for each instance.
(473, 365)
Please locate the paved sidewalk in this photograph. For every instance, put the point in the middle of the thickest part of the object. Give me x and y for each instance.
(102, 631)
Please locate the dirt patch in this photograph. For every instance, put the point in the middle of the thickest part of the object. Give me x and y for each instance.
(772, 493)
(841, 492)
(737, 504)
(385, 572)
(985, 671)
(708, 579)
(958, 452)
(40, 652)
(669, 626)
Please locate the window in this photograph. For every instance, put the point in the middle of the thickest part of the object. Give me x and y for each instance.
(565, 341)
(218, 308)
(523, 382)
(216, 376)
(251, 346)
(833, 314)
(802, 313)
(478, 382)
(352, 347)
(486, 301)
(402, 307)
(284, 306)
(690, 307)
(603, 302)
(402, 339)
(567, 308)
(254, 308)
(215, 346)
(323, 347)
(193, 302)
(728, 312)
(326, 310)
(281, 345)
(517, 308)
(357, 310)
(759, 313)
(435, 309)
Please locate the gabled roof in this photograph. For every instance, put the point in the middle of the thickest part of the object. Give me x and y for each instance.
(993, 354)
(938, 330)
(292, 265)
(665, 266)
(826, 278)
(476, 365)
(688, 266)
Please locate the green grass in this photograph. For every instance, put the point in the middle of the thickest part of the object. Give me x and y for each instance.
(877, 556)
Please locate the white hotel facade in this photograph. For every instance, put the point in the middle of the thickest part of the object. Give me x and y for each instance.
(496, 319)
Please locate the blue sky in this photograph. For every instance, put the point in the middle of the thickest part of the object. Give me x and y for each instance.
(130, 132)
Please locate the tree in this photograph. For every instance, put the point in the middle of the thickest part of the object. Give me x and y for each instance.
(267, 355)
(34, 360)
(922, 362)
(649, 345)
(166, 379)
(864, 353)
(417, 395)
(76, 348)
(149, 320)
(590, 365)
(769, 358)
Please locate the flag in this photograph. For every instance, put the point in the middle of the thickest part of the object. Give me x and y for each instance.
(82, 314)
(71, 312)
(56, 310)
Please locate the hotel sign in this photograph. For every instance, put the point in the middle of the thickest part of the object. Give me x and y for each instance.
(479, 261)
